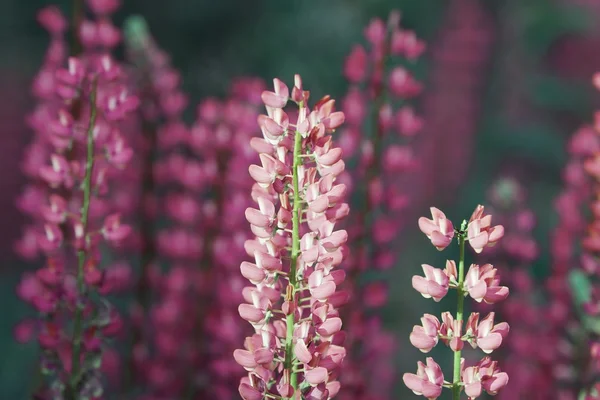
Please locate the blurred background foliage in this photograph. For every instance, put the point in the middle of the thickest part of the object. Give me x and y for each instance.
(535, 91)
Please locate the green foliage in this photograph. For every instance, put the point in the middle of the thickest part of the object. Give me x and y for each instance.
(581, 287)
(545, 22)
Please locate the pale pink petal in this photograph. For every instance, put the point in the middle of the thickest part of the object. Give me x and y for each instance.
(244, 358)
(496, 233)
(249, 393)
(479, 242)
(473, 390)
(439, 240)
(489, 343)
(478, 291)
(323, 291)
(316, 376)
(495, 294)
(427, 226)
(413, 382)
(302, 352)
(493, 384)
(330, 327)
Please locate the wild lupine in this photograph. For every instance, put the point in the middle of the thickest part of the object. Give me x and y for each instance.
(460, 57)
(522, 357)
(234, 122)
(162, 104)
(574, 334)
(205, 328)
(378, 134)
(481, 283)
(79, 144)
(167, 356)
(297, 349)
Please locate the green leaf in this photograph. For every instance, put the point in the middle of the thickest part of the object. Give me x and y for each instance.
(136, 31)
(591, 324)
(581, 287)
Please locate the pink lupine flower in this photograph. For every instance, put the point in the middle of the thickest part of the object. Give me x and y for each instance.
(492, 379)
(52, 239)
(439, 229)
(398, 159)
(278, 98)
(355, 67)
(485, 335)
(117, 152)
(56, 211)
(485, 375)
(480, 231)
(59, 173)
(52, 20)
(489, 291)
(482, 283)
(407, 122)
(113, 230)
(471, 382)
(427, 382)
(406, 42)
(403, 84)
(451, 332)
(434, 284)
(375, 32)
(426, 337)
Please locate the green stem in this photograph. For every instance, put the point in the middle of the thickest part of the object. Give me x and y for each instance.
(297, 208)
(82, 254)
(459, 312)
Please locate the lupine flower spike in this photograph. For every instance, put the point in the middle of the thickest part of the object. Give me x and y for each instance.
(297, 349)
(481, 283)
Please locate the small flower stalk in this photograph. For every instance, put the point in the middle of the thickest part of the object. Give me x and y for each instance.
(297, 348)
(481, 284)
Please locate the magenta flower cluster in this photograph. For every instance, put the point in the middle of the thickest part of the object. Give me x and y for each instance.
(80, 146)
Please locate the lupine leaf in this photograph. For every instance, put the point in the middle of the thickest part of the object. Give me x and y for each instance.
(581, 288)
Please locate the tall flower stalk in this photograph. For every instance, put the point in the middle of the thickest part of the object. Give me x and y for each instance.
(575, 242)
(459, 59)
(297, 348)
(80, 144)
(377, 138)
(233, 122)
(481, 283)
